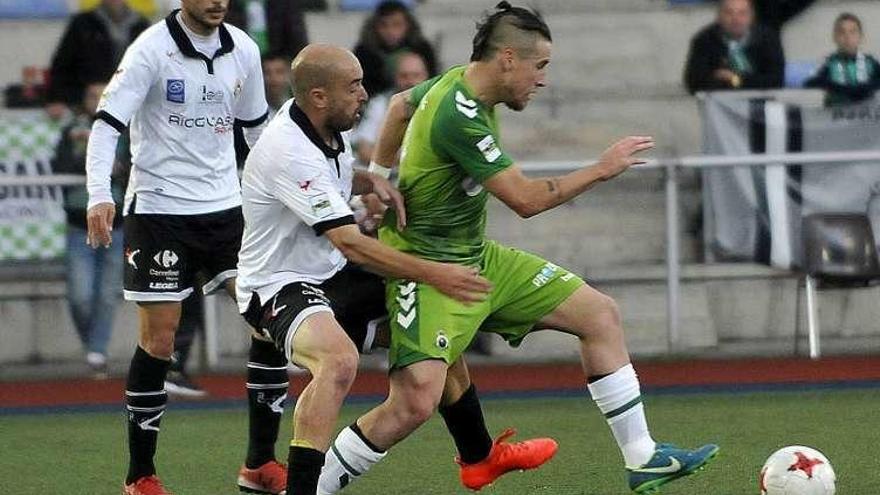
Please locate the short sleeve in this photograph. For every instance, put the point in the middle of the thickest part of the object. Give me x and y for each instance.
(251, 108)
(308, 190)
(462, 134)
(128, 87)
(420, 90)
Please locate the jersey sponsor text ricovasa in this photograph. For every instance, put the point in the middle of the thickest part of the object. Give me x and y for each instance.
(182, 104)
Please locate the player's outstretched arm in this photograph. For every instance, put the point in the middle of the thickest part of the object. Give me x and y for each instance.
(457, 281)
(530, 196)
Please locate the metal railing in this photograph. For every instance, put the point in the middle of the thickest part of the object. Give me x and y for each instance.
(671, 166)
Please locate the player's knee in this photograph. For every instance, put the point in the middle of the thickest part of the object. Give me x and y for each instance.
(157, 338)
(159, 344)
(420, 404)
(420, 409)
(608, 316)
(339, 369)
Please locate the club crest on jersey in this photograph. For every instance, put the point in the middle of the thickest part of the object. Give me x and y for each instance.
(175, 90)
(212, 96)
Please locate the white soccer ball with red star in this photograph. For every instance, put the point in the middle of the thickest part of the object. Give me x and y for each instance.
(797, 470)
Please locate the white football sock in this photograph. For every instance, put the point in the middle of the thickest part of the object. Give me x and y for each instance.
(620, 400)
(347, 458)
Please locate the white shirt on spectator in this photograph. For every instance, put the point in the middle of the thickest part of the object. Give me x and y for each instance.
(367, 130)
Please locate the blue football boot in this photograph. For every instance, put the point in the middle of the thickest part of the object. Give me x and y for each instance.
(667, 464)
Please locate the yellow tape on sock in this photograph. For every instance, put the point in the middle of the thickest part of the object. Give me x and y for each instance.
(302, 443)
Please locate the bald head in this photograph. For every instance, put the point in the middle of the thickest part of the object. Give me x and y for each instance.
(327, 86)
(322, 66)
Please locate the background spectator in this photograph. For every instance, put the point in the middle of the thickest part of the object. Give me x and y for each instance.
(90, 49)
(390, 29)
(278, 26)
(276, 78)
(409, 69)
(94, 276)
(775, 13)
(734, 52)
(848, 75)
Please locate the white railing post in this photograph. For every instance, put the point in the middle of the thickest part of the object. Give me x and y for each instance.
(212, 325)
(673, 266)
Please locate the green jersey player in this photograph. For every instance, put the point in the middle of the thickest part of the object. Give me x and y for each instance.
(451, 160)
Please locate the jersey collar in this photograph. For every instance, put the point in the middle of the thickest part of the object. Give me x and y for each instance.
(302, 120)
(186, 47)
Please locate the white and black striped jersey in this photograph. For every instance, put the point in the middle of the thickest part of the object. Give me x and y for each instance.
(182, 105)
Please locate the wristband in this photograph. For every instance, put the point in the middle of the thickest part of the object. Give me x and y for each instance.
(375, 168)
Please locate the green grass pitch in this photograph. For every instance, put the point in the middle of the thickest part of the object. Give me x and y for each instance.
(200, 451)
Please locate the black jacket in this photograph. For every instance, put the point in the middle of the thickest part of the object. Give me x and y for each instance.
(377, 73)
(708, 52)
(775, 13)
(70, 158)
(285, 25)
(841, 90)
(85, 55)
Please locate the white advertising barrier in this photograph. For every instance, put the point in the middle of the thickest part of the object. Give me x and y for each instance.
(755, 213)
(32, 220)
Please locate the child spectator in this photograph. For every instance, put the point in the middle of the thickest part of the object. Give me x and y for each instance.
(848, 75)
(94, 277)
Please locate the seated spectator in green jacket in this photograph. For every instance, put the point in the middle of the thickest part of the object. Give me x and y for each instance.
(848, 75)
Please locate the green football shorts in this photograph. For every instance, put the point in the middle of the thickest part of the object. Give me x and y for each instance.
(427, 324)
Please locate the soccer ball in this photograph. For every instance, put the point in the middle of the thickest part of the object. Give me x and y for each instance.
(797, 470)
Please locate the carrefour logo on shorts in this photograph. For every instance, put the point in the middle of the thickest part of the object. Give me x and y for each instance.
(166, 258)
(175, 90)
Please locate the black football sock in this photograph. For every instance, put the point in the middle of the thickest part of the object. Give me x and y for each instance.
(267, 390)
(303, 470)
(145, 401)
(465, 422)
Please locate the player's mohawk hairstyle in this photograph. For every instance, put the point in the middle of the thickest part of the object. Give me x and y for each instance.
(486, 40)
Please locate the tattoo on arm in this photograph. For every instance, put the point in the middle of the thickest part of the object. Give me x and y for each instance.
(553, 186)
(408, 110)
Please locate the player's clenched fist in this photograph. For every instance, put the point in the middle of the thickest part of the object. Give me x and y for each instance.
(100, 223)
(620, 155)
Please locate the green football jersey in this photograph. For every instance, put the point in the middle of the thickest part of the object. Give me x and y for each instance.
(451, 146)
